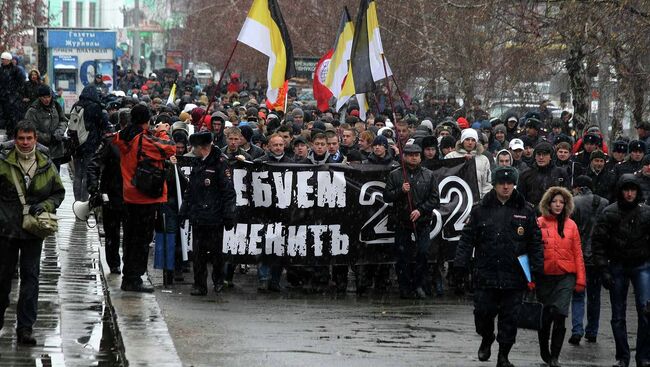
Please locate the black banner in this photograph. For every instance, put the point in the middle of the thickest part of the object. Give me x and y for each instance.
(304, 214)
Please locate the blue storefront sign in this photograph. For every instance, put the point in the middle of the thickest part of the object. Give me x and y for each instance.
(81, 39)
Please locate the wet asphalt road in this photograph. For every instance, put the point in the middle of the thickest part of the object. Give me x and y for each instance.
(244, 328)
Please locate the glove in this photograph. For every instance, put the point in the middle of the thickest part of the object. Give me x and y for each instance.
(608, 280)
(579, 288)
(36, 209)
(531, 286)
(228, 224)
(95, 200)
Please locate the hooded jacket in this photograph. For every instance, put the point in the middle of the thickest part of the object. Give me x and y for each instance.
(562, 255)
(50, 125)
(45, 188)
(483, 172)
(158, 148)
(95, 121)
(621, 234)
(497, 233)
(534, 182)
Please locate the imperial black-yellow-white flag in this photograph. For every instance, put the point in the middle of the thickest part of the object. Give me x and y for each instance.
(265, 31)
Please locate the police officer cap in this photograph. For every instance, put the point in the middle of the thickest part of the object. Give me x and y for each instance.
(533, 123)
(201, 138)
(412, 148)
(505, 174)
(592, 139)
(620, 146)
(637, 145)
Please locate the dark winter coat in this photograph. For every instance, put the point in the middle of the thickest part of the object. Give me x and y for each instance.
(498, 234)
(268, 157)
(50, 125)
(644, 182)
(11, 82)
(627, 166)
(587, 208)
(104, 172)
(621, 234)
(254, 151)
(387, 160)
(95, 121)
(45, 188)
(424, 196)
(535, 181)
(604, 183)
(210, 195)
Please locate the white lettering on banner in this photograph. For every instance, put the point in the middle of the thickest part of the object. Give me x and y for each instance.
(297, 241)
(261, 190)
(325, 189)
(283, 188)
(245, 239)
(331, 192)
(240, 189)
(303, 189)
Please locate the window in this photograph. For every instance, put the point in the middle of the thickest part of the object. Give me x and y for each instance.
(65, 14)
(79, 16)
(91, 14)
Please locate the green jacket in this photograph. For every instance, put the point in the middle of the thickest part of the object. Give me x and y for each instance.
(45, 187)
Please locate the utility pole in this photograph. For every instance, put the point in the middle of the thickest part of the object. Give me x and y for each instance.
(136, 36)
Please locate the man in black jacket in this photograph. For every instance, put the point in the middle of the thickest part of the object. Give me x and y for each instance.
(542, 175)
(414, 198)
(11, 82)
(501, 228)
(588, 206)
(104, 176)
(209, 204)
(621, 250)
(603, 180)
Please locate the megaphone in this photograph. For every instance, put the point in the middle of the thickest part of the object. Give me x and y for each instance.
(82, 210)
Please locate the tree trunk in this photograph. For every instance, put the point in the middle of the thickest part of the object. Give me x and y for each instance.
(579, 87)
(618, 113)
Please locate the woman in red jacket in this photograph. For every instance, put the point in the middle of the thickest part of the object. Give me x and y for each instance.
(564, 269)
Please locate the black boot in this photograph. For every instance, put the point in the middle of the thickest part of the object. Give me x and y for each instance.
(25, 337)
(502, 359)
(557, 339)
(485, 350)
(543, 335)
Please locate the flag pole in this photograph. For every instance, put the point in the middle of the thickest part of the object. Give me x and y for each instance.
(399, 142)
(399, 92)
(216, 87)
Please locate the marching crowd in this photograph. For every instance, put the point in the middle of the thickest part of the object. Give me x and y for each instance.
(549, 190)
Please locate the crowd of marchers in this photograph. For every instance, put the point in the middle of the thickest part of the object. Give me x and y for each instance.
(548, 189)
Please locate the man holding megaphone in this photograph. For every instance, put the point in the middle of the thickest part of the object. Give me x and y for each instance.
(105, 177)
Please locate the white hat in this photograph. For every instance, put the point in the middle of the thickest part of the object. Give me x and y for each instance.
(189, 107)
(516, 144)
(469, 134)
(513, 118)
(6, 56)
(153, 75)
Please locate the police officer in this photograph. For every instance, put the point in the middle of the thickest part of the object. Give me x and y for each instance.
(501, 228)
(209, 204)
(413, 190)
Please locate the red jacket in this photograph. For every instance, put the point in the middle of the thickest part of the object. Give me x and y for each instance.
(562, 255)
(158, 146)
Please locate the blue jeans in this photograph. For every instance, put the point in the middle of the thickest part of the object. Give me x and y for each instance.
(594, 284)
(266, 272)
(411, 257)
(640, 278)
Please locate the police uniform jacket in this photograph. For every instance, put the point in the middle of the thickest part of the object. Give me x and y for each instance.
(210, 196)
(499, 234)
